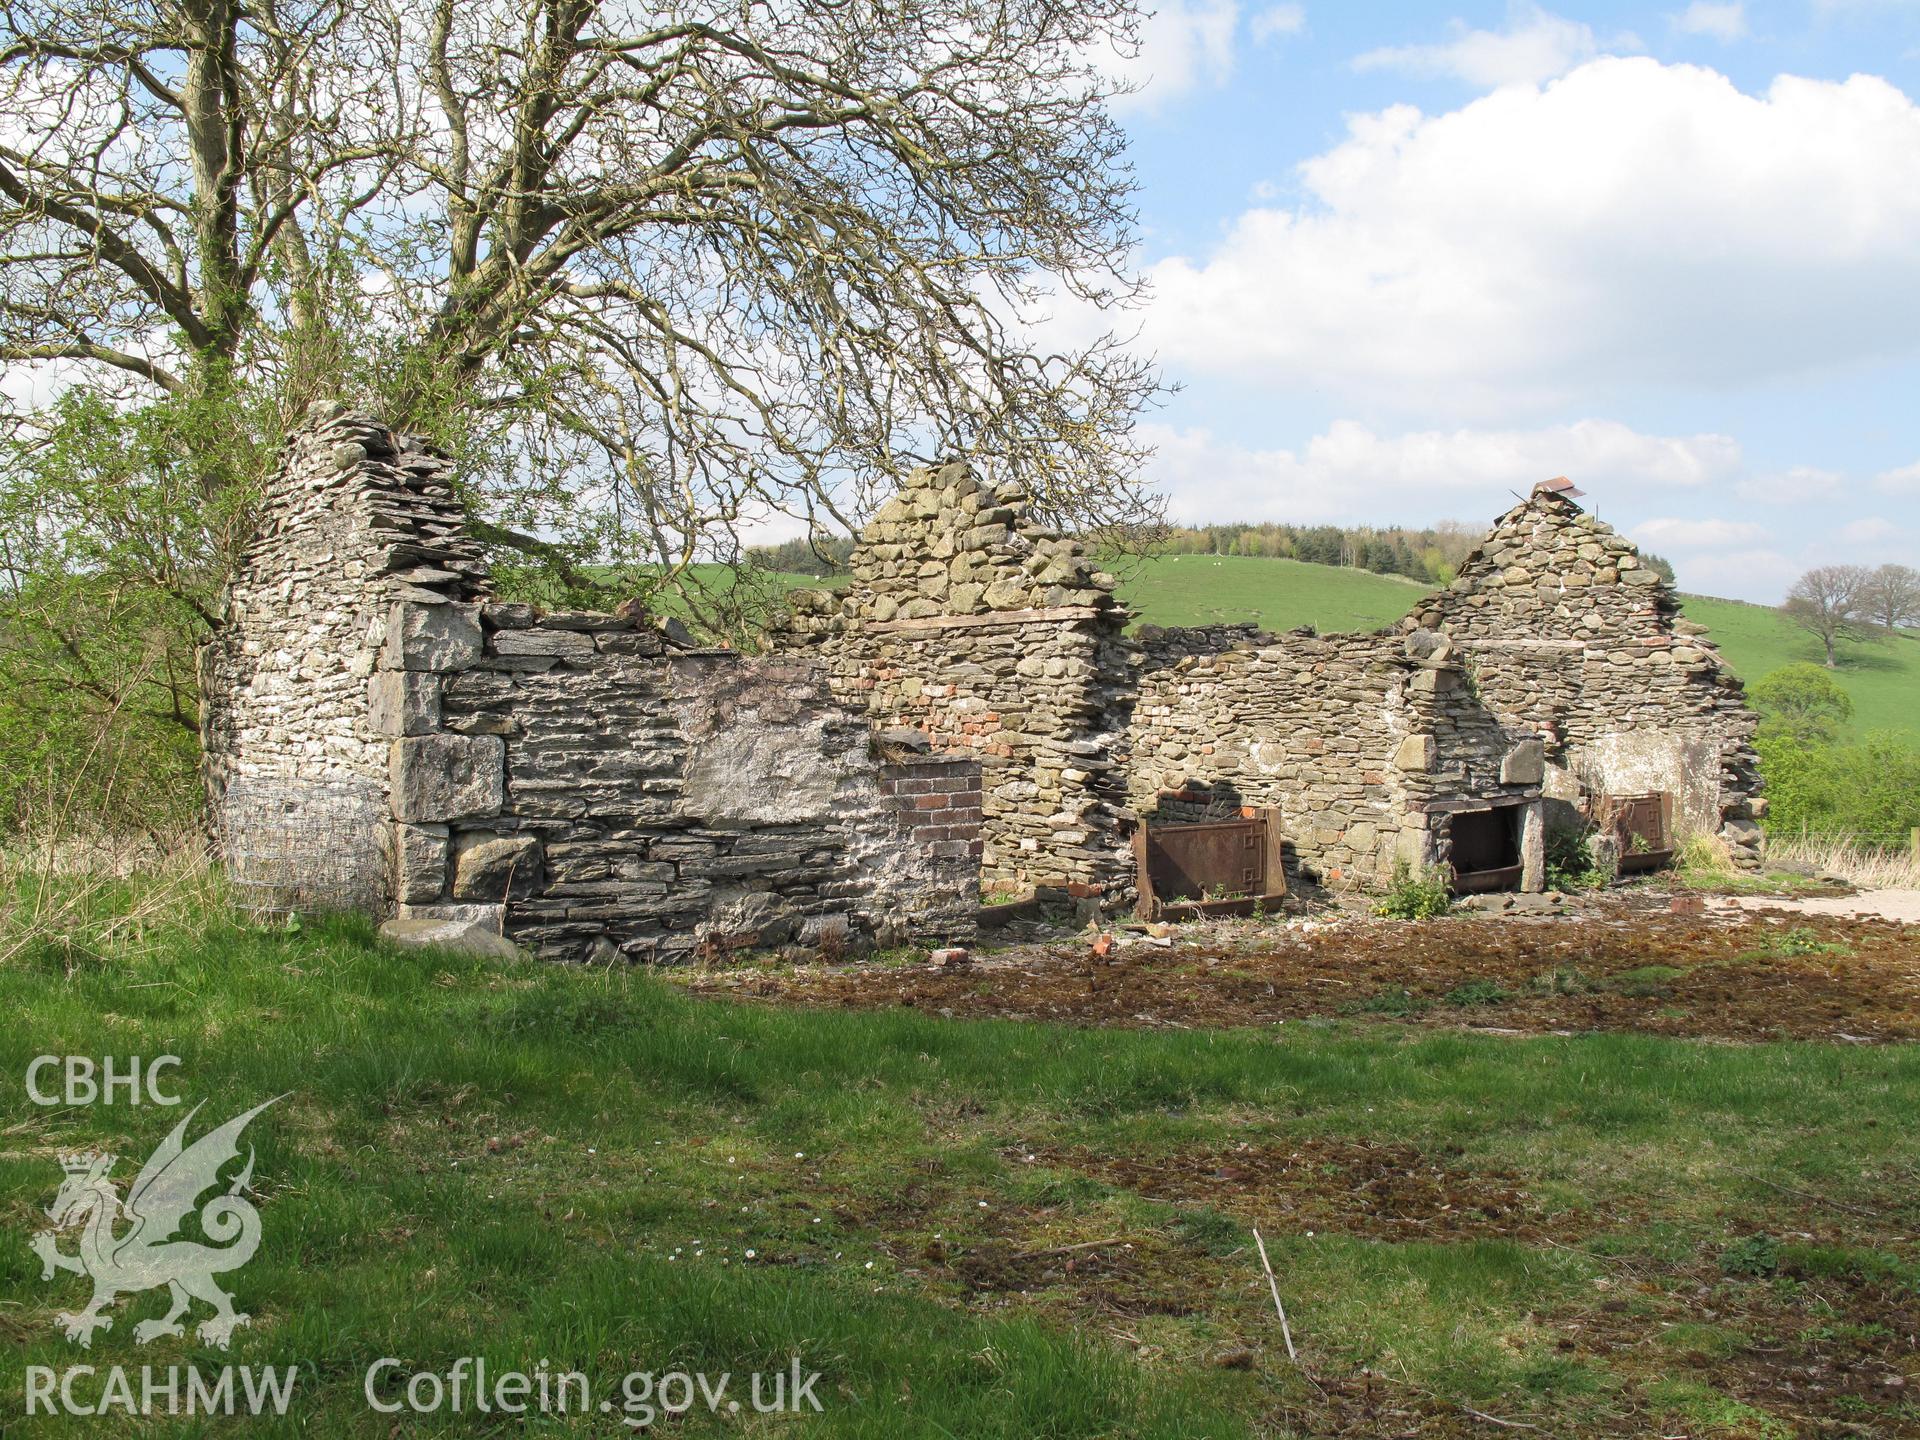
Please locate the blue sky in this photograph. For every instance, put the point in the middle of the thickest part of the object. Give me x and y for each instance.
(1408, 259)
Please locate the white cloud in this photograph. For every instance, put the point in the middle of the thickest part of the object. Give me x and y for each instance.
(1726, 23)
(1534, 46)
(1350, 473)
(1279, 20)
(1668, 531)
(1630, 224)
(1904, 481)
(1761, 576)
(1870, 531)
(1184, 44)
(1790, 487)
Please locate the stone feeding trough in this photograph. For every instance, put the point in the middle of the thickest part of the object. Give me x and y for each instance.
(1209, 867)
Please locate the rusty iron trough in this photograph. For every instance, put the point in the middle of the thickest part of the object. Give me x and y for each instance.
(1642, 827)
(1209, 867)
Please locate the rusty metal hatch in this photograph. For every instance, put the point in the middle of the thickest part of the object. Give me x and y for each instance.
(1209, 867)
(1642, 828)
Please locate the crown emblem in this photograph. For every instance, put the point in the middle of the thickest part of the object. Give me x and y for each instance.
(81, 1162)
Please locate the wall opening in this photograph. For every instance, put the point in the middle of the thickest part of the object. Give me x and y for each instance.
(1486, 849)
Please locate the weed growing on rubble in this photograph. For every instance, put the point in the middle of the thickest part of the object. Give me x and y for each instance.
(1571, 863)
(1802, 941)
(1420, 895)
(1478, 992)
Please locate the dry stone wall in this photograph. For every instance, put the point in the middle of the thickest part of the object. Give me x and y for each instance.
(354, 519)
(1365, 744)
(1569, 637)
(1556, 665)
(1554, 668)
(1228, 716)
(972, 622)
(577, 782)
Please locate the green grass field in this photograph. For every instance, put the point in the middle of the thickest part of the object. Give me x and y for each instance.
(592, 1170)
(1882, 677)
(1277, 594)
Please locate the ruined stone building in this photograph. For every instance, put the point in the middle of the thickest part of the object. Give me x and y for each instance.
(381, 731)
(1555, 669)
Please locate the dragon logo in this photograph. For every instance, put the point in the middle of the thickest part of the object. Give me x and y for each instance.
(148, 1255)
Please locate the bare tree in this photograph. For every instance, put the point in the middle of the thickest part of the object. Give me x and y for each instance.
(1828, 603)
(1892, 598)
(678, 268)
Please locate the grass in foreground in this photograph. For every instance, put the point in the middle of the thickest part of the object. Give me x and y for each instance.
(988, 1228)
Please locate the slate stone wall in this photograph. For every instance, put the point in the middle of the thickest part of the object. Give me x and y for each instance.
(969, 620)
(1568, 636)
(577, 781)
(621, 797)
(1555, 668)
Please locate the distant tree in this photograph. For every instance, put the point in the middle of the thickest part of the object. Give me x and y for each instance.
(1828, 602)
(1322, 545)
(1659, 564)
(1892, 598)
(818, 555)
(1802, 701)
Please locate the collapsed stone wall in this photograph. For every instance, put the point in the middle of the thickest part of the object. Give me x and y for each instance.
(578, 782)
(1366, 744)
(354, 519)
(1555, 665)
(1553, 669)
(1571, 638)
(621, 798)
(969, 620)
(968, 706)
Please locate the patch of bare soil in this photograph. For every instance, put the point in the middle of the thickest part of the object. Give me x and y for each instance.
(1375, 1189)
(1616, 966)
(1816, 1327)
(1903, 905)
(1823, 1349)
(1117, 1279)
